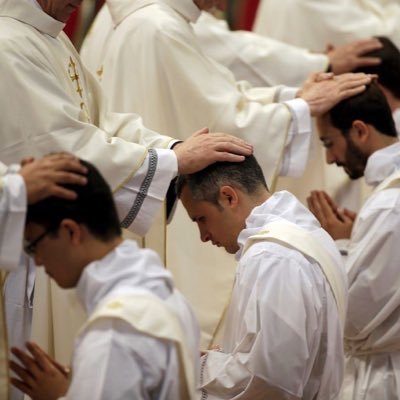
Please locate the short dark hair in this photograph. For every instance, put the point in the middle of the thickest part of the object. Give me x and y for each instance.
(94, 207)
(369, 106)
(388, 70)
(205, 184)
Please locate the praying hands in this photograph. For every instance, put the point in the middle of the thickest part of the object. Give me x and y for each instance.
(40, 377)
(337, 223)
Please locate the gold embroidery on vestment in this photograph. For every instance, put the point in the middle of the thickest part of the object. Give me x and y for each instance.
(74, 75)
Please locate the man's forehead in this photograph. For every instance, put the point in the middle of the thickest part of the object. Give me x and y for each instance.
(325, 127)
(193, 206)
(187, 198)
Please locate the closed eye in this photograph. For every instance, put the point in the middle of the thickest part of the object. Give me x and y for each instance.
(327, 144)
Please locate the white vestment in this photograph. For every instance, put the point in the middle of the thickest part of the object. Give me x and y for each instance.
(13, 203)
(12, 221)
(148, 59)
(114, 361)
(52, 103)
(372, 331)
(314, 24)
(19, 282)
(283, 337)
(260, 60)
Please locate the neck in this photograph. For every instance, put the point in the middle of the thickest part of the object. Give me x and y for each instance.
(393, 101)
(99, 249)
(256, 200)
(384, 141)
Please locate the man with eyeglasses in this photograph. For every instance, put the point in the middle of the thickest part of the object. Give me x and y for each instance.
(360, 136)
(141, 339)
(36, 180)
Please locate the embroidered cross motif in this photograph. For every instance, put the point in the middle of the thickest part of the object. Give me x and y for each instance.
(99, 73)
(73, 74)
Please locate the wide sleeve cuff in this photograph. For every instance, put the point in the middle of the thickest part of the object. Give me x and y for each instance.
(139, 200)
(299, 139)
(13, 204)
(287, 93)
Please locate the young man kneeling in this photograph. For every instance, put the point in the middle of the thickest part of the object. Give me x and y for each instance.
(284, 329)
(141, 339)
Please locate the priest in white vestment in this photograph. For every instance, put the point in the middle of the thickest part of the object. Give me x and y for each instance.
(359, 135)
(141, 339)
(284, 332)
(149, 48)
(263, 61)
(52, 103)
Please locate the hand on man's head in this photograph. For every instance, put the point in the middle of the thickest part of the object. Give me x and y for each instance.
(204, 148)
(350, 56)
(44, 177)
(322, 91)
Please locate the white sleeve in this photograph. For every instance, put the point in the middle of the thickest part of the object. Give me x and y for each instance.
(113, 361)
(372, 269)
(260, 60)
(298, 142)
(117, 144)
(139, 199)
(13, 203)
(274, 337)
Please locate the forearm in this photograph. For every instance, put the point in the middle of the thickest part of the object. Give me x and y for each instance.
(140, 198)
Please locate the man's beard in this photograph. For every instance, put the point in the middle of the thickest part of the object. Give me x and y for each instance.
(355, 160)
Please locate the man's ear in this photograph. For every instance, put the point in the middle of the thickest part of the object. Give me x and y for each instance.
(73, 230)
(228, 196)
(360, 132)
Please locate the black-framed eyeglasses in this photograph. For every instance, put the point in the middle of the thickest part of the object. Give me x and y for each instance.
(30, 247)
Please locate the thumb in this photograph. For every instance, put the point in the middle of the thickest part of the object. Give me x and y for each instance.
(350, 214)
(201, 131)
(26, 161)
(345, 217)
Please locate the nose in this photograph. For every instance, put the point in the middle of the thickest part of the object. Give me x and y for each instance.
(204, 235)
(330, 158)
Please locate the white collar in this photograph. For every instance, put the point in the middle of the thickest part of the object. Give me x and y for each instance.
(382, 164)
(396, 118)
(125, 269)
(281, 206)
(120, 9)
(31, 14)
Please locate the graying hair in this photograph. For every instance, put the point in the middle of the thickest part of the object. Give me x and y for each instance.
(205, 184)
